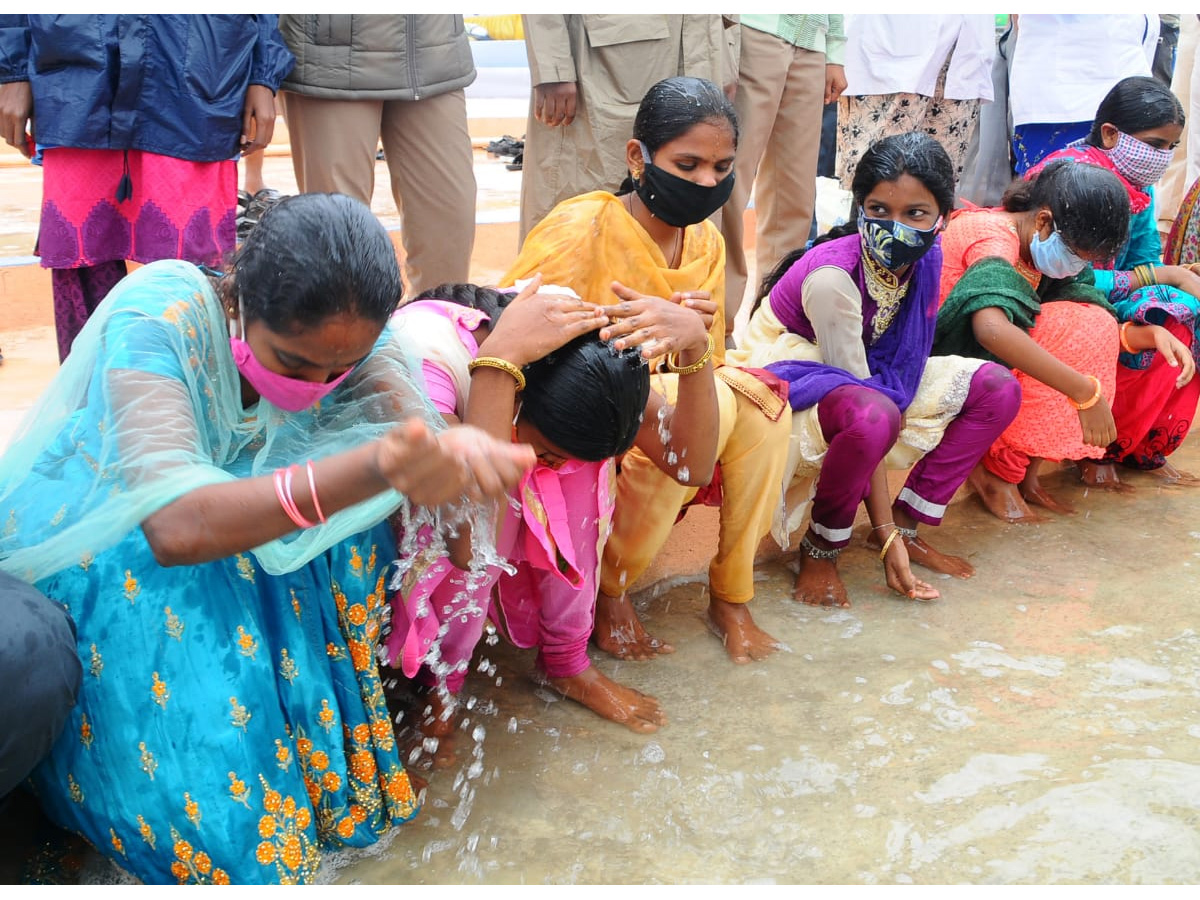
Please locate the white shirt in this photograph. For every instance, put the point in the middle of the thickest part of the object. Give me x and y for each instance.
(1063, 65)
(889, 54)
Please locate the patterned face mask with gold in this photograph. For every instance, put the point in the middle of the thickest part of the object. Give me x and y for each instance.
(893, 244)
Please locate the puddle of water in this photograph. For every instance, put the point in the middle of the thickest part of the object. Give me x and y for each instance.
(1035, 725)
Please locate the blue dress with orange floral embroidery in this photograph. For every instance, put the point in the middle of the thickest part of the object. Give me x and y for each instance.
(232, 722)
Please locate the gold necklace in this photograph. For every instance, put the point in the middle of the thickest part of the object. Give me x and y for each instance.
(674, 260)
(886, 288)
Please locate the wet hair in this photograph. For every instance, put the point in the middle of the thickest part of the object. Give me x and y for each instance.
(313, 256)
(586, 397)
(912, 153)
(1089, 204)
(673, 106)
(1136, 104)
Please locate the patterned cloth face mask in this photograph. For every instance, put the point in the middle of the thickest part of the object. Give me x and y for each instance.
(894, 244)
(1140, 164)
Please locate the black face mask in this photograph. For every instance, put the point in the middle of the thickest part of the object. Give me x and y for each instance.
(676, 200)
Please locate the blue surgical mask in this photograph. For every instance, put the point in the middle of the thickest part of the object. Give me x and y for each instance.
(1052, 256)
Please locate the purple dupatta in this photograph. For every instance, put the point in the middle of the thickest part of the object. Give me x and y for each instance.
(896, 361)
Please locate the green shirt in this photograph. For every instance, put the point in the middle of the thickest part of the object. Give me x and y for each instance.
(824, 34)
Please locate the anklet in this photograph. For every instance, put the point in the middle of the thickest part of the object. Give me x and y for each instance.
(816, 552)
(909, 533)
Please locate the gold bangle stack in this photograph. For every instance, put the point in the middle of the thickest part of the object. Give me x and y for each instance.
(1095, 398)
(1145, 274)
(673, 365)
(504, 365)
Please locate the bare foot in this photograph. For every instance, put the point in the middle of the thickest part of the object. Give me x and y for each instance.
(1039, 496)
(417, 783)
(636, 711)
(1173, 477)
(618, 631)
(1001, 498)
(818, 583)
(1102, 475)
(744, 641)
(923, 554)
(431, 738)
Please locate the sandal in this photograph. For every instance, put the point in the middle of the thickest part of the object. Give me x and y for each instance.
(254, 210)
(506, 146)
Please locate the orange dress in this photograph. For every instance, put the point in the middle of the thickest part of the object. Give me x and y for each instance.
(1081, 335)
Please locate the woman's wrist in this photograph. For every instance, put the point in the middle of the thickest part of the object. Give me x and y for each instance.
(1088, 394)
(692, 358)
(502, 349)
(1146, 275)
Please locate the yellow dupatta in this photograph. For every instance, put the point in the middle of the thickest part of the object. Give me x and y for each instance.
(588, 242)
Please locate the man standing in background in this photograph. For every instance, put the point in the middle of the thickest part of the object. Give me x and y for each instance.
(362, 80)
(790, 66)
(589, 73)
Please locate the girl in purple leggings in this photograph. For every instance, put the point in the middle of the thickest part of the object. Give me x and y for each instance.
(849, 324)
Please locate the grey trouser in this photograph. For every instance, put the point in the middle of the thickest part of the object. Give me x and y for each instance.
(39, 677)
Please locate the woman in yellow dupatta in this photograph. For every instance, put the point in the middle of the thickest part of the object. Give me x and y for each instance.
(653, 237)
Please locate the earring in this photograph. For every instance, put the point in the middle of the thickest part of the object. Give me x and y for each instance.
(637, 176)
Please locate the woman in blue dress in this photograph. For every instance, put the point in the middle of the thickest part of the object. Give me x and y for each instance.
(205, 486)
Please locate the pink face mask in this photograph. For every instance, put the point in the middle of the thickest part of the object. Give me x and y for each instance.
(1141, 164)
(290, 394)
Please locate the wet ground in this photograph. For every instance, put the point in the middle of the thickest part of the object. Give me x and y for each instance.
(1039, 723)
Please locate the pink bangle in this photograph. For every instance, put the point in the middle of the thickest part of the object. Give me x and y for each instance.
(312, 492)
(283, 491)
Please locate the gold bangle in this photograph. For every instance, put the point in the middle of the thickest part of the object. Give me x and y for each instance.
(1145, 274)
(1125, 345)
(504, 365)
(1095, 398)
(887, 545)
(694, 367)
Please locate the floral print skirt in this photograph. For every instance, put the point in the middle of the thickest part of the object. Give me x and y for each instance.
(864, 119)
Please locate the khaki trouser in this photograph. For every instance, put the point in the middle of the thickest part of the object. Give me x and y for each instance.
(430, 160)
(780, 98)
(752, 451)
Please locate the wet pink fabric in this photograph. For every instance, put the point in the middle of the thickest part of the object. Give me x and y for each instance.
(554, 541)
(552, 534)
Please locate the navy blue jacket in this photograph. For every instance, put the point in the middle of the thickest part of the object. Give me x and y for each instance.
(170, 84)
